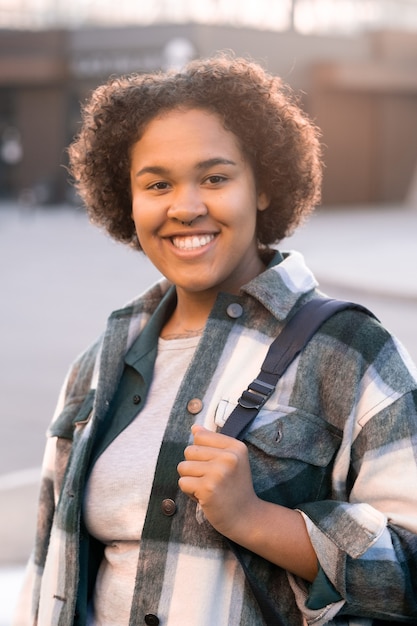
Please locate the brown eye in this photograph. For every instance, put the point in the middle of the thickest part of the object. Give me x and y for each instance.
(215, 180)
(160, 186)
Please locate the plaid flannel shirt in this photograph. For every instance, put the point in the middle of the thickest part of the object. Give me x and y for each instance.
(337, 440)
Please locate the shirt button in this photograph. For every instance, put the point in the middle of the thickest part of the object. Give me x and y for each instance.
(136, 399)
(168, 507)
(234, 310)
(151, 620)
(194, 406)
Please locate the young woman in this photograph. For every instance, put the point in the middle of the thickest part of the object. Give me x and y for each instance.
(204, 170)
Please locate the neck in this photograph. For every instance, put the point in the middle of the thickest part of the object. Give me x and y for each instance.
(189, 317)
(180, 333)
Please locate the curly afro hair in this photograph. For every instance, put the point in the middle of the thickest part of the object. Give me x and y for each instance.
(275, 135)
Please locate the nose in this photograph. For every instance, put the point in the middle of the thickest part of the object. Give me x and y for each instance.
(187, 204)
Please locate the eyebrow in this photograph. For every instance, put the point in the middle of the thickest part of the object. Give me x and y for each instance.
(202, 165)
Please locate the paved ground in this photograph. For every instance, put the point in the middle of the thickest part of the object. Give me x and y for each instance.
(60, 278)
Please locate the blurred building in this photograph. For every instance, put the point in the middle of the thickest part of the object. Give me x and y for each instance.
(361, 90)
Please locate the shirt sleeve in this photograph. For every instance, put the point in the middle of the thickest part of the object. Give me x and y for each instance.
(56, 453)
(26, 607)
(367, 545)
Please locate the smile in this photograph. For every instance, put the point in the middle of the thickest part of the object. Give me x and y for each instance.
(193, 242)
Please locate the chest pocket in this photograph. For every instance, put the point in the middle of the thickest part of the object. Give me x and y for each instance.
(291, 456)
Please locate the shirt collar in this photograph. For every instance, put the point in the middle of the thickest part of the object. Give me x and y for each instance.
(284, 282)
(146, 345)
(279, 288)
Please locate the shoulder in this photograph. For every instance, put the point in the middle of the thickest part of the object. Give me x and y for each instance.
(356, 343)
(356, 328)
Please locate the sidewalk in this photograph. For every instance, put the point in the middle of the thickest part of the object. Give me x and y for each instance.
(10, 582)
(369, 250)
(18, 497)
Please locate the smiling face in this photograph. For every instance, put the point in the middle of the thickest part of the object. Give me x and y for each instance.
(194, 203)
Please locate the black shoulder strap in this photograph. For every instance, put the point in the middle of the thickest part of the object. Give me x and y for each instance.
(289, 343)
(294, 336)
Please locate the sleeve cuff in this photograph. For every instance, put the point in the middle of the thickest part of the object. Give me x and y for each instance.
(321, 592)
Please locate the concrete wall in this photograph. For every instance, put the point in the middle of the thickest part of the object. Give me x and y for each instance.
(368, 114)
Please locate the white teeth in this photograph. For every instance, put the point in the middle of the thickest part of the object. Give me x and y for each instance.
(191, 243)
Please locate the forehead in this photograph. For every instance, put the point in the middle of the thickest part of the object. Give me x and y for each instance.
(191, 128)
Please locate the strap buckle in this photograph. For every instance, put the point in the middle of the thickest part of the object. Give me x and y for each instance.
(255, 396)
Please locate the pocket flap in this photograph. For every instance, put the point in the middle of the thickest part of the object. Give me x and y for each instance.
(296, 435)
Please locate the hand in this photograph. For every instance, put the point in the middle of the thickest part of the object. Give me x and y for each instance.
(216, 473)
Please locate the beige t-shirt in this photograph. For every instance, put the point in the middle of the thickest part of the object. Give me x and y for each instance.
(119, 487)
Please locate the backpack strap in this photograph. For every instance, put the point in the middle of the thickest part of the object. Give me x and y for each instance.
(290, 342)
(295, 335)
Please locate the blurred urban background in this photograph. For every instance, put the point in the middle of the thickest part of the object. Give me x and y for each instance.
(354, 63)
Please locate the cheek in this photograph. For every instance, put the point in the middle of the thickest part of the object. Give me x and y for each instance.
(140, 215)
(134, 216)
(140, 225)
(146, 226)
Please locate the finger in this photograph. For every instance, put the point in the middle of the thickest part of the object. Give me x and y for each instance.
(188, 486)
(208, 453)
(204, 437)
(201, 453)
(194, 469)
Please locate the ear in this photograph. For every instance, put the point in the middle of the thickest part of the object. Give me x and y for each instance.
(263, 201)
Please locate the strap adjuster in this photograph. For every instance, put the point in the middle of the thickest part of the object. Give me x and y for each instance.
(255, 396)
